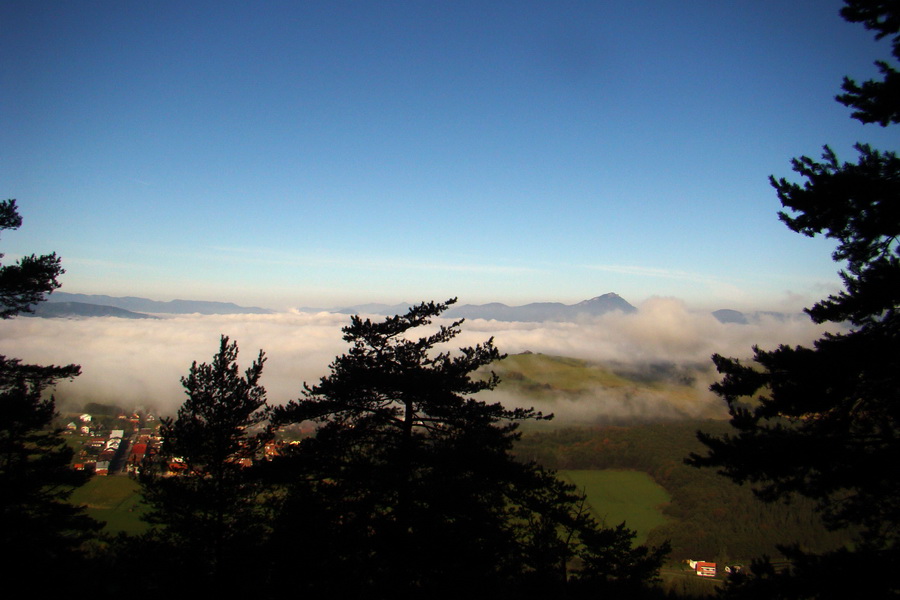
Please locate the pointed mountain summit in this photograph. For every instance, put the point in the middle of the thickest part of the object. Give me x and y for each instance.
(603, 304)
(543, 311)
(536, 312)
(727, 315)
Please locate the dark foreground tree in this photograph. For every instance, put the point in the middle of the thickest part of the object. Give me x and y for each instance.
(202, 488)
(29, 280)
(824, 422)
(409, 488)
(39, 529)
(875, 101)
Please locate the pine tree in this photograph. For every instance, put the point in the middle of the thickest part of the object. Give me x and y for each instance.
(202, 487)
(39, 528)
(823, 422)
(411, 479)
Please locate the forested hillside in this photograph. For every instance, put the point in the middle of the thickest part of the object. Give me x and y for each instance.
(580, 392)
(710, 517)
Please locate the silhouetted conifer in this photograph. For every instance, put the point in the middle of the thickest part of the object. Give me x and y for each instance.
(202, 488)
(823, 422)
(409, 485)
(40, 531)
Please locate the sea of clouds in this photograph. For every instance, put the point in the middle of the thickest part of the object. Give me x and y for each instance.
(141, 362)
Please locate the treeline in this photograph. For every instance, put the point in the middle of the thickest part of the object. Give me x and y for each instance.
(710, 517)
(407, 488)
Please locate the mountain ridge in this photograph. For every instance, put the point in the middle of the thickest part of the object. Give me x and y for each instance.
(67, 304)
(497, 311)
(145, 305)
(65, 310)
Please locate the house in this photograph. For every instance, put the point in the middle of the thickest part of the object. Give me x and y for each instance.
(271, 450)
(136, 457)
(85, 418)
(702, 568)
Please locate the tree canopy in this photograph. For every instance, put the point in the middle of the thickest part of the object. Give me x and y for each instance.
(36, 479)
(424, 497)
(202, 488)
(823, 422)
(875, 101)
(29, 280)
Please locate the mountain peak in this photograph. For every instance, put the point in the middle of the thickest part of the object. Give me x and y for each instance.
(609, 296)
(605, 303)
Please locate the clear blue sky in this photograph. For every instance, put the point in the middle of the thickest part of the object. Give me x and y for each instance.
(321, 153)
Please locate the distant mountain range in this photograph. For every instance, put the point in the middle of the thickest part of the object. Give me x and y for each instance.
(55, 310)
(66, 305)
(734, 316)
(534, 312)
(143, 305)
(63, 304)
(726, 315)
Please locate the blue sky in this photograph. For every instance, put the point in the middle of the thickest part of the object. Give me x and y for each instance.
(324, 153)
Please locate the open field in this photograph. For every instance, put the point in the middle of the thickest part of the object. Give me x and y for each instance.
(617, 495)
(114, 500)
(613, 495)
(708, 516)
(581, 392)
(540, 374)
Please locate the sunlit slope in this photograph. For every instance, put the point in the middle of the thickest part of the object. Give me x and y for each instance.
(616, 496)
(542, 374)
(588, 392)
(114, 500)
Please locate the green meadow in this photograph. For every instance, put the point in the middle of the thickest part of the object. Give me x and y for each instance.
(616, 495)
(613, 496)
(546, 379)
(541, 374)
(114, 500)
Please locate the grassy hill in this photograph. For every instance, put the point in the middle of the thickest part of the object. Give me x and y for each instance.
(581, 392)
(542, 375)
(114, 500)
(615, 496)
(707, 516)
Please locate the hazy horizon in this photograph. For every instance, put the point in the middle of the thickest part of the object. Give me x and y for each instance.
(302, 155)
(288, 154)
(789, 304)
(142, 361)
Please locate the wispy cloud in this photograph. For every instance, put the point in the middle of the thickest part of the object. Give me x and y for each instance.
(272, 256)
(141, 361)
(108, 264)
(656, 272)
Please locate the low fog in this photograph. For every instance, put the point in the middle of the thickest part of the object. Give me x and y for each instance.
(139, 363)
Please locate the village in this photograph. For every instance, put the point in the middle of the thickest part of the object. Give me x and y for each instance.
(106, 445)
(109, 445)
(119, 444)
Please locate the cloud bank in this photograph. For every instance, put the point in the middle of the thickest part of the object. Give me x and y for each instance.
(141, 362)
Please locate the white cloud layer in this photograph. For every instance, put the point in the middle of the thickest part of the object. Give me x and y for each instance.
(140, 362)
